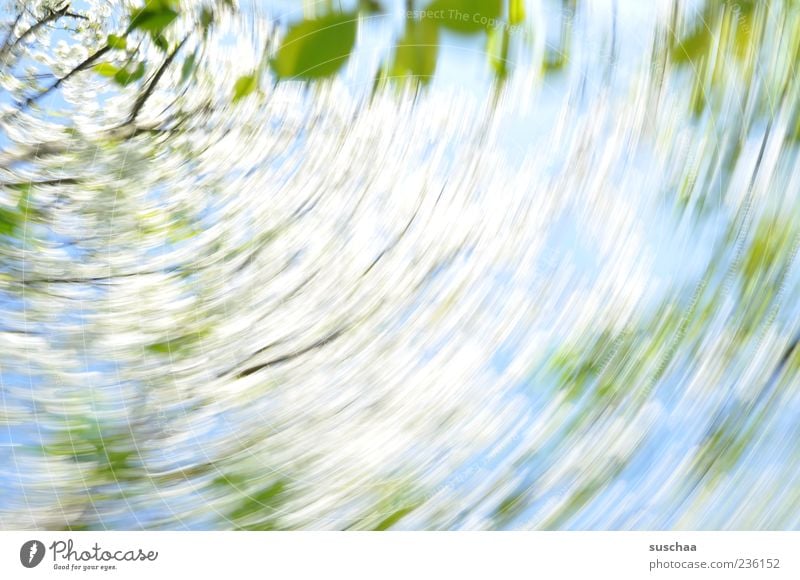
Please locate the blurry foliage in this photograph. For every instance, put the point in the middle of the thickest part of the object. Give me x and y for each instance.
(416, 52)
(499, 40)
(107, 450)
(12, 218)
(399, 498)
(316, 48)
(556, 57)
(467, 16)
(254, 508)
(154, 17)
(320, 46)
(179, 346)
(590, 371)
(245, 86)
(724, 34)
(610, 362)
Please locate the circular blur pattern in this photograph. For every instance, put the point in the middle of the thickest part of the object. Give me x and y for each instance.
(458, 264)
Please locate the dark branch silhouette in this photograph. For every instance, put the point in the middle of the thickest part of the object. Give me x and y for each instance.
(140, 102)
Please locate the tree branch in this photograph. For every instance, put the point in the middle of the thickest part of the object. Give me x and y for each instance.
(146, 94)
(91, 279)
(82, 66)
(55, 181)
(51, 17)
(10, 34)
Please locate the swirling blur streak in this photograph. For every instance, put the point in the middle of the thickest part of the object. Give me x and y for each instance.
(558, 302)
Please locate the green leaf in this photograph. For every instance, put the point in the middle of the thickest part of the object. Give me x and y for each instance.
(554, 60)
(13, 219)
(316, 48)
(260, 500)
(188, 67)
(370, 6)
(516, 12)
(416, 53)
(245, 86)
(393, 518)
(125, 77)
(9, 220)
(161, 42)
(24, 188)
(511, 507)
(206, 19)
(154, 17)
(693, 48)
(106, 69)
(117, 42)
(179, 346)
(467, 16)
(499, 39)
